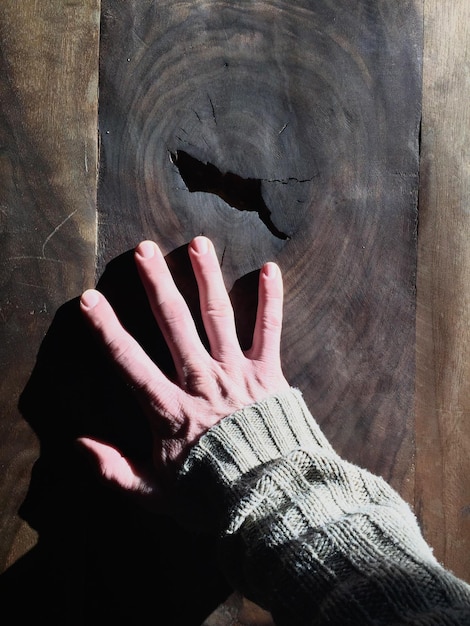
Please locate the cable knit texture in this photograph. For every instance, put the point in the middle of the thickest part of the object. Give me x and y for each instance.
(307, 535)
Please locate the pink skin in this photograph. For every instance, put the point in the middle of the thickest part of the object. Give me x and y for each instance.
(210, 386)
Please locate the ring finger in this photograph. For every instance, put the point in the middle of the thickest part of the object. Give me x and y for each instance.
(216, 308)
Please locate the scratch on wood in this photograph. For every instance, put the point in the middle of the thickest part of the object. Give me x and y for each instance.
(27, 257)
(283, 128)
(213, 109)
(31, 285)
(56, 229)
(139, 39)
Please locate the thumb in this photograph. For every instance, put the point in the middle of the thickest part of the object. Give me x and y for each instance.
(118, 471)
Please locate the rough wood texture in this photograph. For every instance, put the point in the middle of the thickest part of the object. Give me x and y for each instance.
(443, 320)
(284, 131)
(319, 104)
(173, 77)
(48, 165)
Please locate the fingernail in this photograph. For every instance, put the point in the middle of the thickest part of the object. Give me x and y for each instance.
(90, 299)
(200, 245)
(270, 270)
(146, 249)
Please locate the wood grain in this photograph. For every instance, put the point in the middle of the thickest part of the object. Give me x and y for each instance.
(443, 315)
(48, 165)
(313, 108)
(320, 103)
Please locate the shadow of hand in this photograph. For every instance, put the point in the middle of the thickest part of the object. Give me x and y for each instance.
(100, 558)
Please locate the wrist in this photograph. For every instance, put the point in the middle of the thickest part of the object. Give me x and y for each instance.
(259, 433)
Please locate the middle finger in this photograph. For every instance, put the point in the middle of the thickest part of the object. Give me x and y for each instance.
(168, 306)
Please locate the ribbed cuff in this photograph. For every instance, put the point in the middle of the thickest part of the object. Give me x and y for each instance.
(243, 441)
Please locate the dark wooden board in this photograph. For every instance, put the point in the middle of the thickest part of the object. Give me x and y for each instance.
(287, 132)
(284, 131)
(316, 106)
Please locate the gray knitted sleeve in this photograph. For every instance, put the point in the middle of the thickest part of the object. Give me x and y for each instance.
(307, 535)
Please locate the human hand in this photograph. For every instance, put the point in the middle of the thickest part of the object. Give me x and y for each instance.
(209, 386)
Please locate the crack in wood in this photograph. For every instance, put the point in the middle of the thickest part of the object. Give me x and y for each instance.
(243, 194)
(213, 109)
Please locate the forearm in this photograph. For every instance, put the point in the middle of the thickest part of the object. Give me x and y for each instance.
(305, 534)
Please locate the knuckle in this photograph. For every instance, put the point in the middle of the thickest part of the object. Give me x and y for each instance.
(196, 379)
(173, 311)
(217, 308)
(271, 323)
(120, 350)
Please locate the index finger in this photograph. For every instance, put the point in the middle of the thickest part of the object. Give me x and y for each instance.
(135, 365)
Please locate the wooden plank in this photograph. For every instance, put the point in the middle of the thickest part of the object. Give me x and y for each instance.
(311, 111)
(319, 103)
(442, 396)
(48, 166)
(443, 312)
